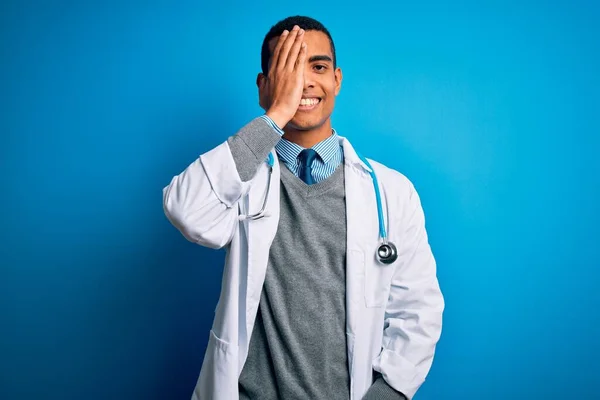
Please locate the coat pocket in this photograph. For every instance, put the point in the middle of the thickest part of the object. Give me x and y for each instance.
(218, 376)
(378, 278)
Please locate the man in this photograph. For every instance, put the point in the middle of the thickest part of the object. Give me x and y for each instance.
(306, 311)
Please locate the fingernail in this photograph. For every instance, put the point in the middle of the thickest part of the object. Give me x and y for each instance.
(296, 27)
(301, 32)
(285, 32)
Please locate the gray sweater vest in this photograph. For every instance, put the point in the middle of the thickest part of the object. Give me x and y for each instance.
(298, 344)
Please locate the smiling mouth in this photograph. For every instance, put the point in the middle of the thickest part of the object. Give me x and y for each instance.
(307, 104)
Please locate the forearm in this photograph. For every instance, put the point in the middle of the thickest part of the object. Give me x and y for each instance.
(200, 200)
(252, 144)
(413, 314)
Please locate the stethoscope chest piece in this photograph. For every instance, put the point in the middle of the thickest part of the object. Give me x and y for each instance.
(387, 253)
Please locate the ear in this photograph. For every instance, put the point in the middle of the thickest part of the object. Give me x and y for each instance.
(338, 80)
(261, 83)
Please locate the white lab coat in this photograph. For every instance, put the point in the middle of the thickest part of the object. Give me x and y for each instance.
(393, 312)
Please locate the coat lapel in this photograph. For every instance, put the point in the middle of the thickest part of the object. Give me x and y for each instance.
(361, 238)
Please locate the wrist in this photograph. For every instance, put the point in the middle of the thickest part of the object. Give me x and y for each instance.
(279, 118)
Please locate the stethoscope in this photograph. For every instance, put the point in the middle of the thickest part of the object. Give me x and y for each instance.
(262, 213)
(386, 252)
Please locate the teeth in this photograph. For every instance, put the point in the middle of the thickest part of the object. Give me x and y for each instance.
(309, 102)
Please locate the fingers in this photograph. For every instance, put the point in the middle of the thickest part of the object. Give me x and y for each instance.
(295, 50)
(301, 57)
(287, 45)
(277, 50)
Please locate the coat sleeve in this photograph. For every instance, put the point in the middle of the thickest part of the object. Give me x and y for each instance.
(413, 315)
(201, 202)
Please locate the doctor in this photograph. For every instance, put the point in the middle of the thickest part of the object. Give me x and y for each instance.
(311, 307)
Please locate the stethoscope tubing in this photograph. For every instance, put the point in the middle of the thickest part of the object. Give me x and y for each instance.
(386, 252)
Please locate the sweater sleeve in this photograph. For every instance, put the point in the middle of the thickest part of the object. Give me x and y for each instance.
(252, 144)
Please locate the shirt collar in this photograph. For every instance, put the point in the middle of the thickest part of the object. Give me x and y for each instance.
(326, 149)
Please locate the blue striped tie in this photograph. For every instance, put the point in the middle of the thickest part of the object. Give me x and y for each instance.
(306, 157)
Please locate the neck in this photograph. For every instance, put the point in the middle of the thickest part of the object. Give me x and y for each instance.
(308, 138)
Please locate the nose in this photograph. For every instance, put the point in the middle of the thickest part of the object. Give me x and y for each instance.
(308, 85)
(309, 81)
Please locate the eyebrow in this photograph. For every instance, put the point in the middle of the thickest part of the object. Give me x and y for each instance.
(320, 58)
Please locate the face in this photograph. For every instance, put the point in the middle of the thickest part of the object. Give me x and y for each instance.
(321, 81)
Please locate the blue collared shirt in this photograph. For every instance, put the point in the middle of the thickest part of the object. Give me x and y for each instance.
(330, 154)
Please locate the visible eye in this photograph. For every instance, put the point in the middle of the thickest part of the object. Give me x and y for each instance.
(320, 67)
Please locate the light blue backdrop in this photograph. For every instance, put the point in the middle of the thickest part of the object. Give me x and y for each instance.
(490, 108)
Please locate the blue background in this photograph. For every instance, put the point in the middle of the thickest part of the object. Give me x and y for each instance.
(490, 108)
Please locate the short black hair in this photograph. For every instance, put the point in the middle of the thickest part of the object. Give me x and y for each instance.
(306, 23)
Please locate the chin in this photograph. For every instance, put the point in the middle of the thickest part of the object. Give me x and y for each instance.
(304, 124)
